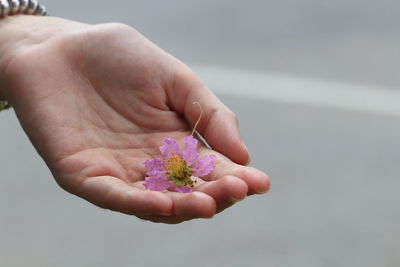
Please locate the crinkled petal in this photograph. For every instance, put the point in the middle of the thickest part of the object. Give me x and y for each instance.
(157, 182)
(183, 189)
(169, 147)
(154, 166)
(190, 153)
(204, 165)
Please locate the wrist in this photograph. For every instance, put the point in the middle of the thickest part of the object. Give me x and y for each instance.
(16, 32)
(20, 34)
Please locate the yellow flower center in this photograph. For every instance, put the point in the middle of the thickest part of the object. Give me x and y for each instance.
(178, 171)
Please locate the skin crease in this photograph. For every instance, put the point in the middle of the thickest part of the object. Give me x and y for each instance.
(96, 101)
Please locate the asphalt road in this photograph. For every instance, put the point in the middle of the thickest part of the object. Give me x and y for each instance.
(334, 201)
(347, 40)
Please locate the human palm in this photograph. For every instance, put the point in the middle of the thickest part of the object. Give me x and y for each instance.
(97, 101)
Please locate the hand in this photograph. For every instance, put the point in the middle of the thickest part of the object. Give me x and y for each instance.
(97, 101)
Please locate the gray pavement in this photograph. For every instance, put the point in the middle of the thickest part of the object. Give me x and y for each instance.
(335, 173)
(348, 40)
(334, 201)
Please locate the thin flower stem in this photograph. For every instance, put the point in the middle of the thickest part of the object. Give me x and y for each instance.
(198, 120)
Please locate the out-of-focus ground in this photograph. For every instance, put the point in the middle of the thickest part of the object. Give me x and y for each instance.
(334, 170)
(349, 40)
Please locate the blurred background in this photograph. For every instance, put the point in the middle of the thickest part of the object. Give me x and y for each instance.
(316, 87)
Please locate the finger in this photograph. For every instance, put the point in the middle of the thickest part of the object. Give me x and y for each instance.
(114, 194)
(218, 124)
(225, 191)
(257, 181)
(188, 206)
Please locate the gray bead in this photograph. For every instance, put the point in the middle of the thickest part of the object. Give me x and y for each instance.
(14, 7)
(40, 10)
(31, 7)
(23, 5)
(5, 8)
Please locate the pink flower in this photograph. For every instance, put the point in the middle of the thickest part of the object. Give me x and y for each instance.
(175, 168)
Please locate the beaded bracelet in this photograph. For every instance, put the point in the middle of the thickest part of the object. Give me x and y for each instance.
(15, 7)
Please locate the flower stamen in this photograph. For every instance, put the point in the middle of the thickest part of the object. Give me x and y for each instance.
(178, 171)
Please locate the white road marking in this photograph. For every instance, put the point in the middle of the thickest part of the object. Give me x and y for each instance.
(281, 88)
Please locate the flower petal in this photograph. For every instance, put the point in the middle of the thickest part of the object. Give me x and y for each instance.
(154, 166)
(190, 153)
(183, 189)
(204, 165)
(169, 147)
(157, 182)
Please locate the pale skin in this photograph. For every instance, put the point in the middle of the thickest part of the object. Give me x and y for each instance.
(96, 101)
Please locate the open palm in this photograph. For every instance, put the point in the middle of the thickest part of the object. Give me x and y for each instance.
(97, 101)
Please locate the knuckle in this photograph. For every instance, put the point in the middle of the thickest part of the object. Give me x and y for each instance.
(232, 115)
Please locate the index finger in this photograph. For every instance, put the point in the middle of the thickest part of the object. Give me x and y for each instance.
(219, 125)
